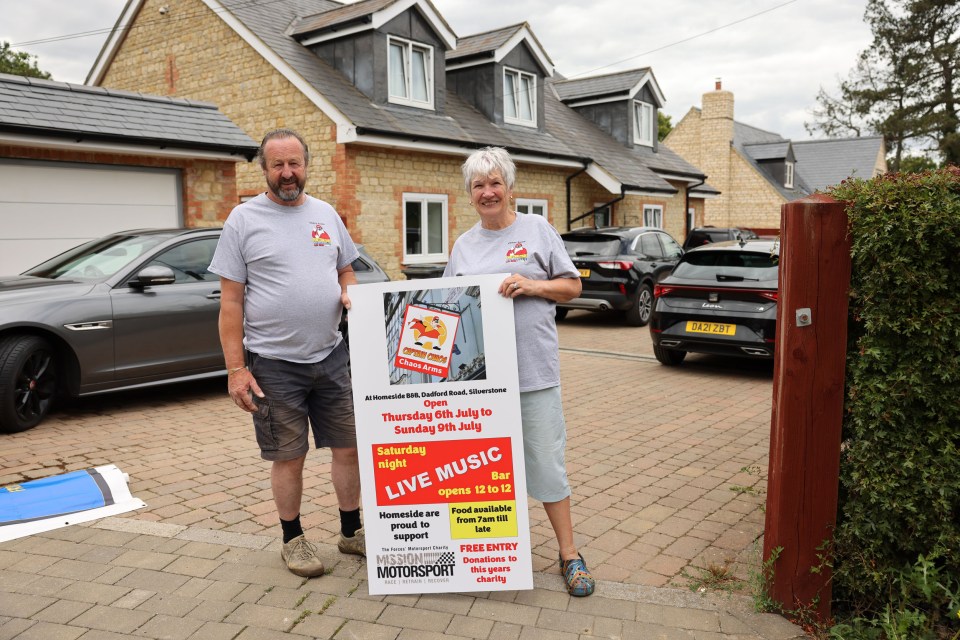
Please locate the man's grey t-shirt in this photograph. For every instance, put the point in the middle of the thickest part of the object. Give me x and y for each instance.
(288, 258)
(532, 248)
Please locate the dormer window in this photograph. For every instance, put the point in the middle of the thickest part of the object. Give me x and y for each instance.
(411, 73)
(519, 97)
(643, 123)
(788, 176)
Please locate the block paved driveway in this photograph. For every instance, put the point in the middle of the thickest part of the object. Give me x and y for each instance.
(656, 457)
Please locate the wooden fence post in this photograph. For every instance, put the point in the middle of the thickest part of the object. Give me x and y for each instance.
(808, 386)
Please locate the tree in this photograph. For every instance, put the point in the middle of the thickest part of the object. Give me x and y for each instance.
(916, 164)
(664, 127)
(905, 86)
(19, 63)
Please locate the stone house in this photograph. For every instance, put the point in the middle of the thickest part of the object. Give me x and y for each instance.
(391, 100)
(757, 171)
(79, 162)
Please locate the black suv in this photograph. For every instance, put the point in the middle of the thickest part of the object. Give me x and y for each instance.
(721, 299)
(705, 235)
(619, 267)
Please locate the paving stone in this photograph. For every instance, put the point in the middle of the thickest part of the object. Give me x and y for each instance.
(14, 627)
(575, 623)
(419, 634)
(260, 616)
(152, 580)
(62, 611)
(318, 626)
(410, 618)
(51, 631)
(356, 609)
(470, 627)
(17, 605)
(111, 619)
(169, 627)
(217, 631)
(513, 613)
(94, 593)
(367, 631)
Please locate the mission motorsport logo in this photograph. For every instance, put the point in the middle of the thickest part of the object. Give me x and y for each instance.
(428, 564)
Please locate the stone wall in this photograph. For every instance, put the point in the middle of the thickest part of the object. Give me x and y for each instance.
(189, 52)
(209, 186)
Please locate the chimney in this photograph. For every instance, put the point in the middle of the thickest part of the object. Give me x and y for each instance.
(716, 138)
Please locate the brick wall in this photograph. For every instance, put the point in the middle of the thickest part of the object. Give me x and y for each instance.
(209, 186)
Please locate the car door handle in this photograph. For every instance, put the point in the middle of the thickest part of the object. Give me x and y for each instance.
(215, 295)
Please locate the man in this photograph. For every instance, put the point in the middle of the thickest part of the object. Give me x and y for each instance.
(284, 265)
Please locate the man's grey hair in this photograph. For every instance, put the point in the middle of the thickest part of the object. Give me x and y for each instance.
(487, 161)
(281, 133)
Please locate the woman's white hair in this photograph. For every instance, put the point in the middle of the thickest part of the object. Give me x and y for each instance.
(487, 161)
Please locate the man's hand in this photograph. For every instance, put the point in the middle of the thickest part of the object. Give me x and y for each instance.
(242, 387)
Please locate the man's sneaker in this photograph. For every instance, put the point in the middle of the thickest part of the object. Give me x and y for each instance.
(301, 558)
(355, 545)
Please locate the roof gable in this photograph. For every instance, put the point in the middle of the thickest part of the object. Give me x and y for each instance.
(364, 16)
(494, 46)
(611, 87)
(825, 163)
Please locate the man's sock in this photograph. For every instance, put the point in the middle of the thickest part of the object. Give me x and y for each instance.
(291, 529)
(349, 522)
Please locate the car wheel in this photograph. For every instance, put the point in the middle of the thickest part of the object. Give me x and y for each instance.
(561, 313)
(639, 314)
(28, 382)
(669, 357)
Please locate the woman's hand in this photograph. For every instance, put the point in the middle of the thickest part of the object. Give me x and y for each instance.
(557, 289)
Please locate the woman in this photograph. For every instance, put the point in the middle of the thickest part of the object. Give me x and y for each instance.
(540, 274)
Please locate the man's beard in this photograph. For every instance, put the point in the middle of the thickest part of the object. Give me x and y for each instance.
(287, 192)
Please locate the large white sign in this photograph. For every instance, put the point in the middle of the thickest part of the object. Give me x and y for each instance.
(437, 404)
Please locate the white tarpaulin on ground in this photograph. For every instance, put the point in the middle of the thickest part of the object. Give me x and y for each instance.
(65, 499)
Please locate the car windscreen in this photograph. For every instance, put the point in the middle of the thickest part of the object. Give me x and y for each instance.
(728, 266)
(592, 245)
(97, 259)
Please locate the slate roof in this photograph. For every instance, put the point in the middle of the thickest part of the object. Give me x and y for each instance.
(43, 107)
(768, 150)
(567, 136)
(748, 139)
(829, 162)
(331, 17)
(487, 42)
(609, 84)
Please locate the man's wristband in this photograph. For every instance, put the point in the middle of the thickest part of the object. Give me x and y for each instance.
(230, 372)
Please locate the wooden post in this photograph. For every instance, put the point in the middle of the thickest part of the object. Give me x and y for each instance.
(808, 385)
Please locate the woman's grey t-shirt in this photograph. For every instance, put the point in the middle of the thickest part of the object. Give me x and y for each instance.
(532, 248)
(288, 258)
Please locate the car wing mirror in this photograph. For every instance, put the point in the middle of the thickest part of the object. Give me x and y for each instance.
(152, 276)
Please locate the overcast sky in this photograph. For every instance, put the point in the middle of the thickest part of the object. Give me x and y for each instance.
(774, 55)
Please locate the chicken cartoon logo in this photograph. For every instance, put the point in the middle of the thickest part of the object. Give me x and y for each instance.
(517, 253)
(319, 236)
(429, 332)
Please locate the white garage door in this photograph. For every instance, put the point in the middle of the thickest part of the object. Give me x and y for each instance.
(47, 208)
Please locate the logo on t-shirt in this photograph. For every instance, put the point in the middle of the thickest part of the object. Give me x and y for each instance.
(517, 253)
(320, 237)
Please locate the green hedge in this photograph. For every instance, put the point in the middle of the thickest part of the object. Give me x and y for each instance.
(896, 552)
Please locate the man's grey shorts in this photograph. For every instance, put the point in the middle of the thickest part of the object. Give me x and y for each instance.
(294, 392)
(544, 444)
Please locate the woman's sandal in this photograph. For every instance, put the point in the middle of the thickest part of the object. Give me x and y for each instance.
(575, 573)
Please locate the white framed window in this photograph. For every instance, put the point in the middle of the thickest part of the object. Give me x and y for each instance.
(653, 216)
(529, 205)
(788, 177)
(411, 73)
(519, 97)
(424, 228)
(644, 123)
(603, 216)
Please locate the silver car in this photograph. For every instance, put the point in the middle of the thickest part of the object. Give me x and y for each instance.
(132, 309)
